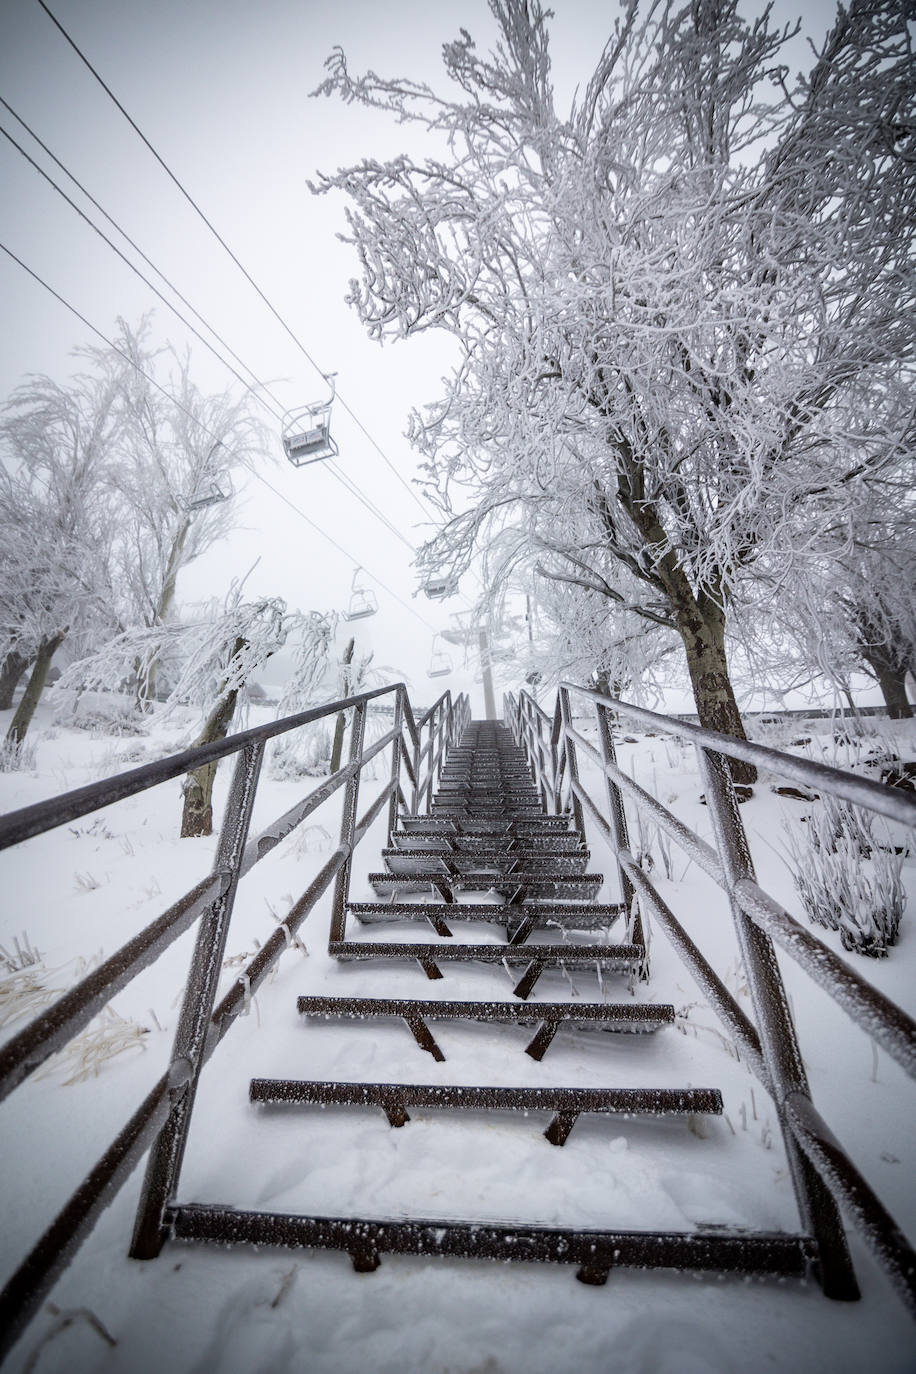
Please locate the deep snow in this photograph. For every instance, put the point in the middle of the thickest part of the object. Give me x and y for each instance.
(83, 890)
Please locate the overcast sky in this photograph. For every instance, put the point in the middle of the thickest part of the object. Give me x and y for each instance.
(221, 89)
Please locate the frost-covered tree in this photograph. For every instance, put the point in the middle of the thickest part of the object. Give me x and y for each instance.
(843, 600)
(178, 449)
(56, 523)
(665, 300)
(585, 635)
(217, 652)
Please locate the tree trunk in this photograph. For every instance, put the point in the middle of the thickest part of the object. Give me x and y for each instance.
(14, 665)
(34, 687)
(892, 682)
(197, 813)
(340, 722)
(146, 683)
(703, 633)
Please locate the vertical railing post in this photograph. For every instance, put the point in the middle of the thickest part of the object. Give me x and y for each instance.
(164, 1165)
(396, 747)
(534, 749)
(619, 833)
(425, 750)
(555, 756)
(415, 800)
(572, 767)
(348, 825)
(778, 1041)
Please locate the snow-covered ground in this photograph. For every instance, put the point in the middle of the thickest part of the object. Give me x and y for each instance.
(80, 892)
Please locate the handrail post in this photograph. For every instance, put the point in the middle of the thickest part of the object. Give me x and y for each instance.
(348, 825)
(572, 766)
(619, 834)
(164, 1165)
(778, 1042)
(555, 757)
(415, 799)
(396, 747)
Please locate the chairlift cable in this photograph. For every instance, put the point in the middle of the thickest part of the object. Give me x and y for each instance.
(133, 267)
(134, 245)
(260, 389)
(214, 231)
(292, 505)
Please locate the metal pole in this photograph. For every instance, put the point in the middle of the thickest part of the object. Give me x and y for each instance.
(489, 700)
(778, 1042)
(572, 766)
(164, 1166)
(348, 826)
(619, 834)
(396, 747)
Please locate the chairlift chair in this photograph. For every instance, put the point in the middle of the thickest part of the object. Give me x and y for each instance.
(211, 488)
(363, 601)
(438, 588)
(440, 663)
(458, 634)
(306, 432)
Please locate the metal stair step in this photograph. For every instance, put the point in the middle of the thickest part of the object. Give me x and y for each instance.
(521, 825)
(535, 958)
(532, 887)
(567, 1104)
(571, 916)
(554, 842)
(594, 1252)
(408, 862)
(548, 1017)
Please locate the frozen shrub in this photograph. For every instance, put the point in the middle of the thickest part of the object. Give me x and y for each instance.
(848, 876)
(102, 722)
(305, 753)
(17, 756)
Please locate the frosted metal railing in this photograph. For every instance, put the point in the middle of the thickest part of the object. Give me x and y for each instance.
(418, 749)
(823, 1174)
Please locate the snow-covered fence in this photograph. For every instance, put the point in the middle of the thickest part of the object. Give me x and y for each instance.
(417, 749)
(825, 1177)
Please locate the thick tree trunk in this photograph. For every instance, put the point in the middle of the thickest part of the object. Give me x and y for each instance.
(14, 665)
(892, 682)
(197, 812)
(34, 687)
(703, 631)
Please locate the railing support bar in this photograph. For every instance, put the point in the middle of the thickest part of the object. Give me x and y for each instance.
(777, 1033)
(397, 747)
(165, 1160)
(572, 767)
(618, 832)
(348, 827)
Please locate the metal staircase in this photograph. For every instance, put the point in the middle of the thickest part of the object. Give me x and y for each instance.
(487, 832)
(486, 828)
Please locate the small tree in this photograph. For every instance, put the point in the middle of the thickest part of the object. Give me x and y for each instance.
(56, 523)
(178, 449)
(218, 652)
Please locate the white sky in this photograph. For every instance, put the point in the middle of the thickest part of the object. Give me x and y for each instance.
(220, 88)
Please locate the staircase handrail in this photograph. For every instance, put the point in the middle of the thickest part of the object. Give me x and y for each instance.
(822, 1170)
(208, 904)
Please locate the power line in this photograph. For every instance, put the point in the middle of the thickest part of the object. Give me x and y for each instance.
(292, 505)
(260, 389)
(216, 234)
(115, 249)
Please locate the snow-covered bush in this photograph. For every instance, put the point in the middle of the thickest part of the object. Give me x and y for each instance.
(17, 756)
(304, 753)
(848, 878)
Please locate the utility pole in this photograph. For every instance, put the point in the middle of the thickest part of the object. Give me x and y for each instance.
(489, 700)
